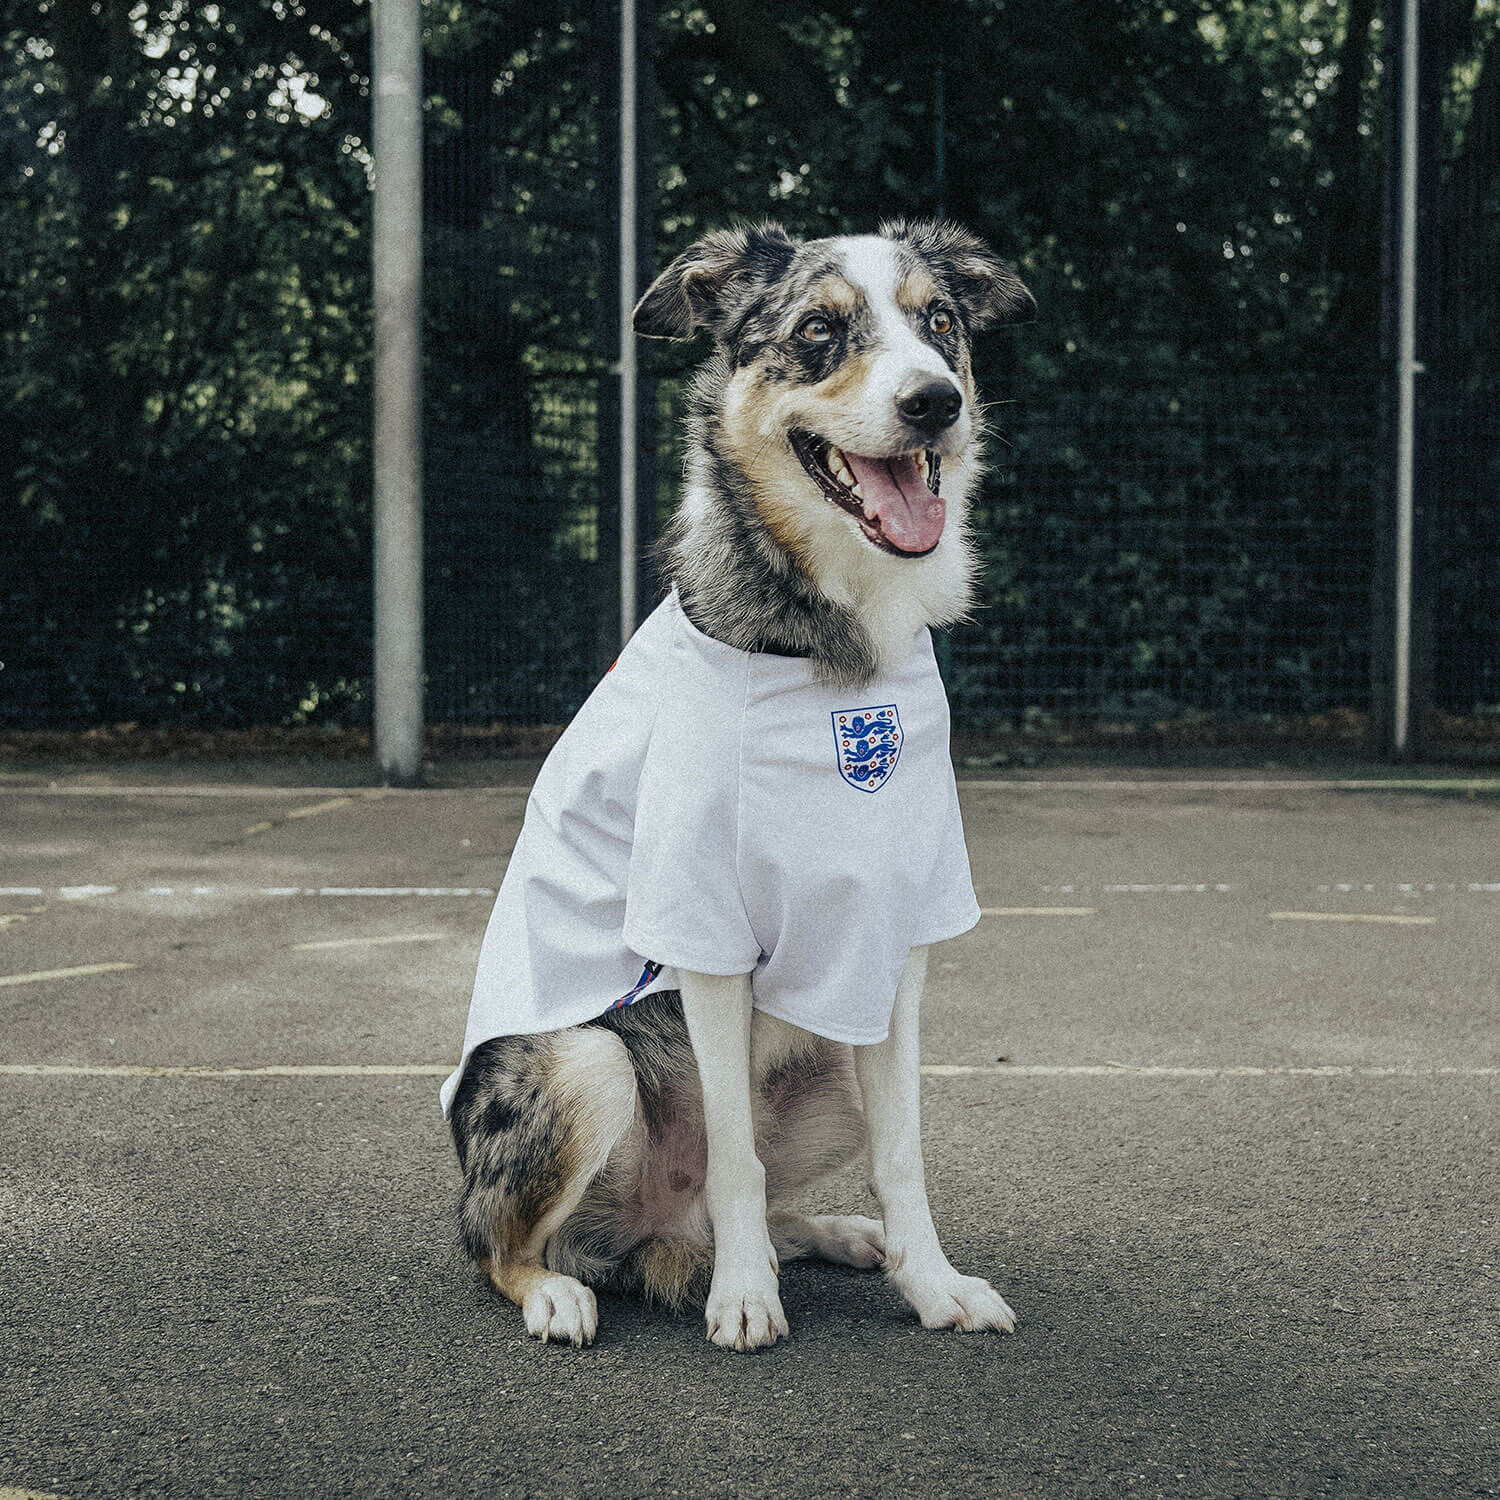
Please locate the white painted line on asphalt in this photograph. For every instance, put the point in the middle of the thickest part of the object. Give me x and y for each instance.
(930, 1070)
(1029, 784)
(1227, 1070)
(390, 890)
(1373, 784)
(1168, 888)
(1392, 919)
(1038, 911)
(75, 893)
(13, 919)
(1145, 888)
(317, 808)
(229, 793)
(1412, 887)
(9, 1492)
(255, 828)
(370, 942)
(272, 1070)
(75, 973)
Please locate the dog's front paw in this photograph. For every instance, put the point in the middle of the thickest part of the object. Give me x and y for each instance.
(744, 1319)
(560, 1310)
(945, 1299)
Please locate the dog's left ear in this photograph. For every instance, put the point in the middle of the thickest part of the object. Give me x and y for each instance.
(990, 291)
(705, 282)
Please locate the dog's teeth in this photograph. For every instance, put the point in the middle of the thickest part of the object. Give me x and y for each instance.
(844, 477)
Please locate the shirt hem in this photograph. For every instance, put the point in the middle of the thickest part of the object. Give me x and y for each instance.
(942, 934)
(862, 1039)
(672, 958)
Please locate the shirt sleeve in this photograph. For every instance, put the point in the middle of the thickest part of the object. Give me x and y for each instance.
(683, 905)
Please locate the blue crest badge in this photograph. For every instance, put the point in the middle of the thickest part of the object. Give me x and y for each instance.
(868, 741)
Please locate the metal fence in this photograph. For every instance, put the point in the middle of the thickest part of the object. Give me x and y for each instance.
(1204, 551)
(1153, 553)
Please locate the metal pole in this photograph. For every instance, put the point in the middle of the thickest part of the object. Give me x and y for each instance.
(397, 141)
(939, 142)
(1407, 370)
(628, 277)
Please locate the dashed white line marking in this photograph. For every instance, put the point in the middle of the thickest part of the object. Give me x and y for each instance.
(232, 793)
(1373, 784)
(1407, 889)
(1019, 784)
(315, 808)
(77, 972)
(371, 942)
(1226, 1070)
(1392, 919)
(393, 890)
(272, 1070)
(1038, 911)
(930, 1070)
(79, 892)
(1410, 887)
(1146, 888)
(1168, 888)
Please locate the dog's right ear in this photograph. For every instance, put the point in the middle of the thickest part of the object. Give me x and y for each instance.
(704, 283)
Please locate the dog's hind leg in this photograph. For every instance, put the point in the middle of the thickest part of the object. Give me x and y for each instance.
(534, 1120)
(845, 1239)
(812, 1125)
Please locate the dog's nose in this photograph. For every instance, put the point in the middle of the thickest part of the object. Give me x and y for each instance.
(931, 407)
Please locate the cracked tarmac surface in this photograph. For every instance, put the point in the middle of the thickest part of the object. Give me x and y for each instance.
(1239, 1283)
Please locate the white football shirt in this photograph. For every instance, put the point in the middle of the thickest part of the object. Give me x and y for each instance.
(728, 812)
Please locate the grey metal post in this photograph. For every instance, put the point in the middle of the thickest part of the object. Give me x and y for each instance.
(1407, 369)
(397, 50)
(1402, 618)
(628, 276)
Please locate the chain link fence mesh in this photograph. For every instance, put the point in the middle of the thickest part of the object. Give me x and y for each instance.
(1153, 554)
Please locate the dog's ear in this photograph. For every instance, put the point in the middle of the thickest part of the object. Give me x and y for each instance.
(990, 291)
(700, 287)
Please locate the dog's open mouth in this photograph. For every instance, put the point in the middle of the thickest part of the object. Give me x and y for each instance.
(898, 507)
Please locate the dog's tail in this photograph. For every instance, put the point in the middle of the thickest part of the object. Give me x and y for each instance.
(672, 1273)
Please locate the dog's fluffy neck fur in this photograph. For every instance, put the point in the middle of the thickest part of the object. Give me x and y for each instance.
(846, 606)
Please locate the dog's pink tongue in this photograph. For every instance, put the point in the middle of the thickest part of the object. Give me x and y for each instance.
(894, 494)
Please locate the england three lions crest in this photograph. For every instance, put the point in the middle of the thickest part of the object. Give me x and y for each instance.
(868, 741)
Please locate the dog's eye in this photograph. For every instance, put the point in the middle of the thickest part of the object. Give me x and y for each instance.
(940, 321)
(815, 330)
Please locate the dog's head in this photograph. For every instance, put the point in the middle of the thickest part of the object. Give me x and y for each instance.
(845, 372)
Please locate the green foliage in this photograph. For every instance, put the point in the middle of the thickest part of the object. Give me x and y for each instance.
(186, 325)
(1190, 189)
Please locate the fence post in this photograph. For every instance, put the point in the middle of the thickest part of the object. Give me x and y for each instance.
(1400, 656)
(626, 204)
(397, 275)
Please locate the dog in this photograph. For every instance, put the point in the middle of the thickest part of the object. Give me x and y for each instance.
(700, 986)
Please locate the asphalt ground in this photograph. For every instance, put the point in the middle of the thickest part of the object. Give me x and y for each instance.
(1212, 1098)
